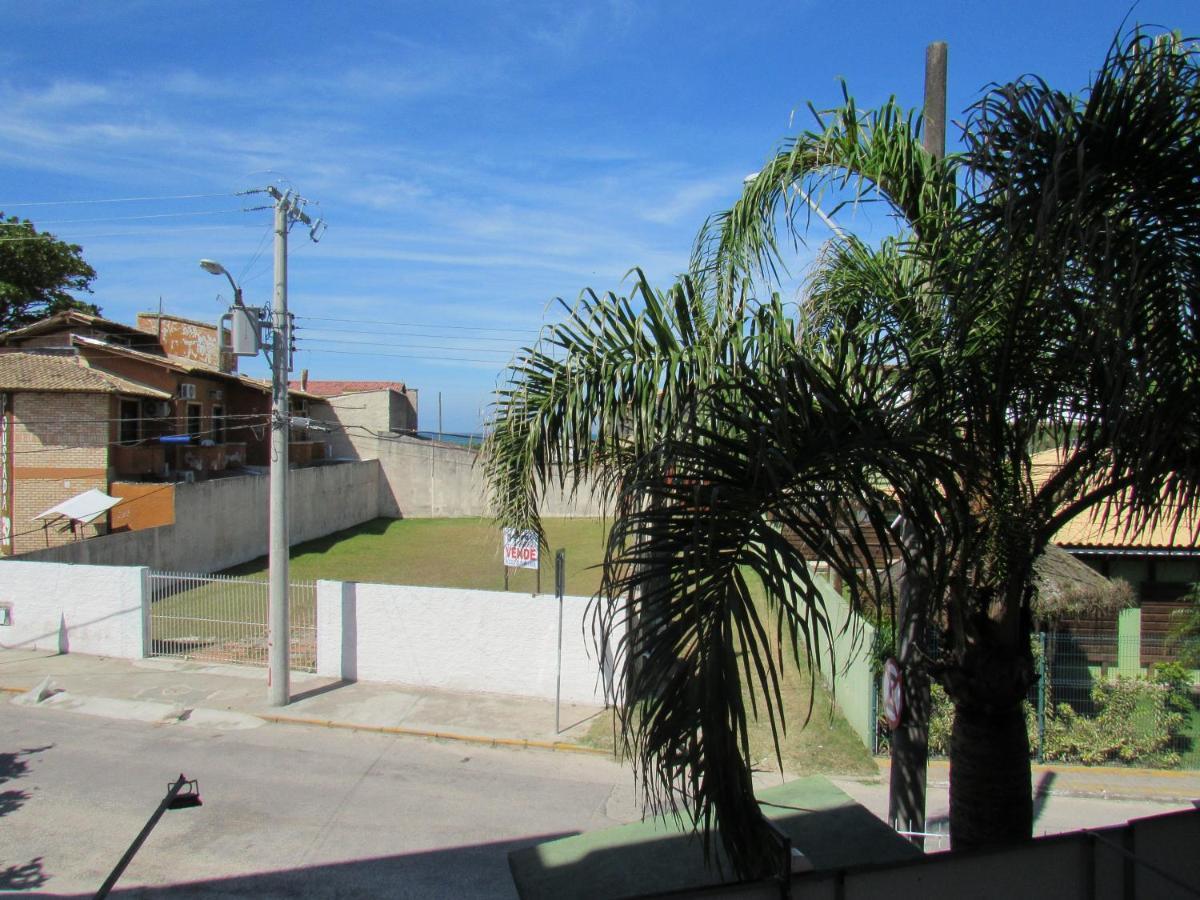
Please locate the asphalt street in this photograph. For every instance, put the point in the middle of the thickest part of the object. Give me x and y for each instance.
(299, 811)
(287, 811)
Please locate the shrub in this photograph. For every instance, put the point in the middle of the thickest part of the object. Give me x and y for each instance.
(1133, 722)
(1177, 679)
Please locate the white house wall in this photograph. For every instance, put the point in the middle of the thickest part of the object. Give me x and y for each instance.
(97, 610)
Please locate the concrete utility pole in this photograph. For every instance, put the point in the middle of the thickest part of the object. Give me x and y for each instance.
(910, 738)
(288, 209)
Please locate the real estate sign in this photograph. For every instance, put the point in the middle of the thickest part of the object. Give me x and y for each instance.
(520, 549)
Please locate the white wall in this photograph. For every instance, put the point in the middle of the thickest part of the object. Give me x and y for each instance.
(77, 609)
(223, 522)
(485, 641)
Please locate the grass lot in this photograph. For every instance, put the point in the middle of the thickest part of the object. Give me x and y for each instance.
(466, 553)
(826, 745)
(462, 553)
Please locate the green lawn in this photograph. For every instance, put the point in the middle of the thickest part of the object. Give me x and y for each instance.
(463, 553)
(824, 746)
(466, 553)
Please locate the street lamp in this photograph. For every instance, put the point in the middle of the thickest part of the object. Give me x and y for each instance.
(215, 268)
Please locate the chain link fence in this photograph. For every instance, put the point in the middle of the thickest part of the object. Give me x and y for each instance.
(1099, 698)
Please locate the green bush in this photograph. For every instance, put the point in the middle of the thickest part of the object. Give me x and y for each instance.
(941, 721)
(1177, 679)
(1133, 723)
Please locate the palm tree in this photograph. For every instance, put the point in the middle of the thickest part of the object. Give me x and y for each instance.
(1041, 286)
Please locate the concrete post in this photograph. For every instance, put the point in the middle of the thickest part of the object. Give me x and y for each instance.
(278, 637)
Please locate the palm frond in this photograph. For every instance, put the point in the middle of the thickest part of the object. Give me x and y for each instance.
(717, 599)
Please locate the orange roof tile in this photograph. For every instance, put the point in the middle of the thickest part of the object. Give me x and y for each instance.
(1094, 529)
(58, 372)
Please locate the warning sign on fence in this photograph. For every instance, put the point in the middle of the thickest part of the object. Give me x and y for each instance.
(520, 549)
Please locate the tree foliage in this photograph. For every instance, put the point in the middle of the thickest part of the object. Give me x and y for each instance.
(1040, 286)
(38, 272)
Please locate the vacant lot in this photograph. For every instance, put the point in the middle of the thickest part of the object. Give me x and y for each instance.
(462, 553)
(466, 553)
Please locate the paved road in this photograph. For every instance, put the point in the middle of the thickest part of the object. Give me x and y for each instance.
(311, 812)
(288, 811)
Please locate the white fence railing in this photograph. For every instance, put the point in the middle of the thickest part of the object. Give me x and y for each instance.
(221, 618)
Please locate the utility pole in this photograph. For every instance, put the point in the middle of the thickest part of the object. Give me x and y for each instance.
(910, 737)
(288, 209)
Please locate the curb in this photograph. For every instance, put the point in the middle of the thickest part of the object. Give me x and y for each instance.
(521, 743)
(1165, 792)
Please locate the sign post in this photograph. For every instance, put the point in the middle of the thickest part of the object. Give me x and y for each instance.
(560, 588)
(521, 552)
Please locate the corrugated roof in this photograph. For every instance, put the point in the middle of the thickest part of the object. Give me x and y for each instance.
(22, 371)
(336, 388)
(1095, 529)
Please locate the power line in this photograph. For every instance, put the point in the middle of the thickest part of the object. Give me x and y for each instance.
(175, 215)
(60, 421)
(325, 329)
(262, 243)
(114, 200)
(143, 442)
(413, 346)
(411, 324)
(490, 362)
(127, 233)
(125, 501)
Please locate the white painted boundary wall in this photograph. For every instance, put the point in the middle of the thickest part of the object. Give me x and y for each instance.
(75, 609)
(459, 640)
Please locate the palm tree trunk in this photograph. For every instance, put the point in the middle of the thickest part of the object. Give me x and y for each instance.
(991, 800)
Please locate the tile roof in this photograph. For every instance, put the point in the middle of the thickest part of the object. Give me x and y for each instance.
(1093, 529)
(67, 317)
(336, 388)
(183, 365)
(57, 372)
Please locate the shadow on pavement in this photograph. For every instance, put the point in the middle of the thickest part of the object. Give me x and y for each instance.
(475, 870)
(24, 876)
(318, 691)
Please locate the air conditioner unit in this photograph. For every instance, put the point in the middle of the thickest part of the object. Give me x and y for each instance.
(187, 391)
(156, 409)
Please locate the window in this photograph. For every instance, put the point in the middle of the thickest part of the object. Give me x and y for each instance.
(218, 424)
(195, 413)
(130, 422)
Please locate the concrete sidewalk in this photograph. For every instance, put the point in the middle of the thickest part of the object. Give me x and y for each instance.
(232, 697)
(235, 697)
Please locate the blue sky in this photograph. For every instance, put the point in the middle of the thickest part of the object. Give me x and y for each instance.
(473, 160)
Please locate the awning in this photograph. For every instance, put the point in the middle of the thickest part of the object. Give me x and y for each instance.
(82, 508)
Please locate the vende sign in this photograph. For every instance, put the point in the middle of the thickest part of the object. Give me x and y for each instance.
(520, 549)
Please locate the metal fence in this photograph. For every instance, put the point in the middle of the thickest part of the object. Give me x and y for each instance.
(1105, 697)
(1100, 698)
(221, 618)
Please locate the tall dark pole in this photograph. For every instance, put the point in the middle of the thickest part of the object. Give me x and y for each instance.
(935, 99)
(910, 738)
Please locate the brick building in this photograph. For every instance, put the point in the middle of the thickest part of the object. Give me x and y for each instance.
(90, 403)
